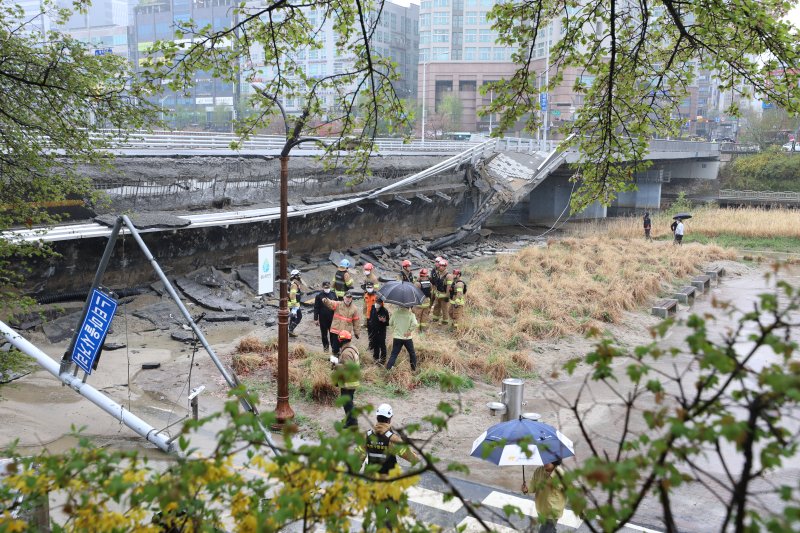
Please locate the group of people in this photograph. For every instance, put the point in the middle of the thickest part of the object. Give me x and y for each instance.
(340, 319)
(677, 228)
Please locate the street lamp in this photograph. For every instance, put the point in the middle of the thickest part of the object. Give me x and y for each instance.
(283, 411)
(161, 103)
(424, 93)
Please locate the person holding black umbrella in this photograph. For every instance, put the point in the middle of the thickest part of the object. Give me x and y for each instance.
(403, 324)
(679, 229)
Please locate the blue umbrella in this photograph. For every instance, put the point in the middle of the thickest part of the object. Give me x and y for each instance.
(545, 444)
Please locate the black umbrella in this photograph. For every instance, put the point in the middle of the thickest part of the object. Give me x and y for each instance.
(682, 216)
(401, 293)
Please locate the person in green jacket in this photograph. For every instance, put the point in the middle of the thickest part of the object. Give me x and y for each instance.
(403, 324)
(347, 354)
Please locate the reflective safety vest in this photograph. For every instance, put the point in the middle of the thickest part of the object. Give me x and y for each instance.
(339, 283)
(343, 317)
(295, 294)
(378, 451)
(425, 287)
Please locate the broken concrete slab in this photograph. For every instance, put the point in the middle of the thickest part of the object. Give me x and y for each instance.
(10, 375)
(62, 328)
(248, 274)
(113, 346)
(203, 296)
(226, 317)
(336, 258)
(162, 314)
(144, 221)
(182, 336)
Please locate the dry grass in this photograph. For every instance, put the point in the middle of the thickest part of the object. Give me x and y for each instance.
(566, 288)
(709, 221)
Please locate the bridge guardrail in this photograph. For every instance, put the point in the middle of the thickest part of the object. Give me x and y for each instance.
(785, 196)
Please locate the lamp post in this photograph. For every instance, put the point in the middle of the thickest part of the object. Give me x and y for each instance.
(283, 411)
(424, 94)
(161, 102)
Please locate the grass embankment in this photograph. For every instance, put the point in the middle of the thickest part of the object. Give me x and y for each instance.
(772, 170)
(745, 229)
(565, 288)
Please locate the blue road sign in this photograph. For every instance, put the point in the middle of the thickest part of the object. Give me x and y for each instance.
(93, 330)
(767, 105)
(103, 51)
(543, 101)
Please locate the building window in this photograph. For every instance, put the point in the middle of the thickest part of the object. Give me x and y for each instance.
(424, 20)
(470, 36)
(471, 3)
(499, 54)
(469, 53)
(441, 18)
(486, 36)
(471, 18)
(424, 55)
(424, 37)
(441, 36)
(441, 54)
(441, 3)
(485, 53)
(425, 4)
(487, 3)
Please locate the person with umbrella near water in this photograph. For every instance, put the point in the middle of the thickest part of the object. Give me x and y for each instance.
(677, 227)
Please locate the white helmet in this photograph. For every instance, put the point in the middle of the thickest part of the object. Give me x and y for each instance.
(294, 273)
(384, 410)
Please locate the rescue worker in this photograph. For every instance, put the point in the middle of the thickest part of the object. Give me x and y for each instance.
(295, 293)
(323, 316)
(457, 300)
(369, 276)
(423, 310)
(345, 318)
(378, 322)
(370, 297)
(347, 354)
(442, 281)
(405, 273)
(342, 280)
(384, 445)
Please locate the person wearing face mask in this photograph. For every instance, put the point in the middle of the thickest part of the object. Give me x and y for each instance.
(345, 318)
(323, 316)
(369, 279)
(378, 322)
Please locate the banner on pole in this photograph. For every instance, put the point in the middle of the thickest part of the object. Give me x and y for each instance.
(266, 268)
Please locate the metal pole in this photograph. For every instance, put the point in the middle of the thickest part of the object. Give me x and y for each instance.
(87, 391)
(424, 94)
(546, 111)
(231, 379)
(66, 359)
(283, 411)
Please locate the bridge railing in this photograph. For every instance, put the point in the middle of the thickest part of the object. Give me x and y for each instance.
(778, 196)
(198, 140)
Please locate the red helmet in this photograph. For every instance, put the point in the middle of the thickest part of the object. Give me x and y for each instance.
(456, 272)
(368, 266)
(423, 272)
(406, 263)
(345, 335)
(443, 263)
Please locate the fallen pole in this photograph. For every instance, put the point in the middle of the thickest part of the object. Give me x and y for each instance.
(105, 403)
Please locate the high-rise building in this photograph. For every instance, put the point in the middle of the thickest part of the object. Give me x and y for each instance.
(395, 36)
(210, 104)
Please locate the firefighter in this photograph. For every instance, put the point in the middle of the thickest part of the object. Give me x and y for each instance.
(295, 293)
(405, 273)
(347, 354)
(342, 280)
(457, 291)
(423, 310)
(345, 318)
(384, 445)
(323, 316)
(442, 281)
(369, 275)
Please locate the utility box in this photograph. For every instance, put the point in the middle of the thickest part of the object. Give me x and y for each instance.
(512, 394)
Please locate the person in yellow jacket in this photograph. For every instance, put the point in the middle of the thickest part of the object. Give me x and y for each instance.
(550, 495)
(295, 293)
(457, 300)
(342, 280)
(348, 354)
(345, 318)
(423, 310)
(442, 281)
